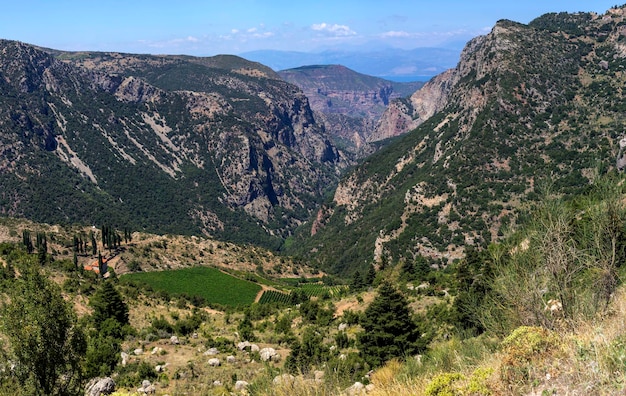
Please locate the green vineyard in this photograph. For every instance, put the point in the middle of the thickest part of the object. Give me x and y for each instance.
(309, 290)
(274, 297)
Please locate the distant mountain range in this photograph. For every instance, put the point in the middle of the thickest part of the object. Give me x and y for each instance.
(418, 64)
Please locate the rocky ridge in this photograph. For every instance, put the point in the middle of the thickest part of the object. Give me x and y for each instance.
(348, 103)
(527, 106)
(124, 136)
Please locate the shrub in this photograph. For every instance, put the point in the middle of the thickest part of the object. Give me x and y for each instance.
(524, 351)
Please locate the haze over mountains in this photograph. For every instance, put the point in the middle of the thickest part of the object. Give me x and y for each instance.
(419, 64)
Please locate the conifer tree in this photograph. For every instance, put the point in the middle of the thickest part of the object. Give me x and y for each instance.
(107, 303)
(389, 330)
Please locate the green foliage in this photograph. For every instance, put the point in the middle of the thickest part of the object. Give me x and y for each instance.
(308, 353)
(389, 330)
(523, 349)
(107, 303)
(44, 342)
(568, 253)
(209, 284)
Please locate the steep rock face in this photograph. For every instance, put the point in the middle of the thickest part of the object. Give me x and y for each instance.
(348, 103)
(527, 105)
(170, 144)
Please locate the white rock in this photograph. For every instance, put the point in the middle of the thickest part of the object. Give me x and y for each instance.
(138, 351)
(342, 326)
(243, 345)
(254, 348)
(356, 389)
(156, 350)
(100, 386)
(174, 340)
(284, 379)
(125, 358)
(214, 362)
(267, 354)
(240, 385)
(231, 359)
(211, 352)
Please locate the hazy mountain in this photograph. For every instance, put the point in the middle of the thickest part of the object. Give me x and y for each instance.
(526, 106)
(348, 103)
(418, 64)
(220, 145)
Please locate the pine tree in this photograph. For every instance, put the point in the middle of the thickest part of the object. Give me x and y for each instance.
(107, 303)
(389, 330)
(357, 282)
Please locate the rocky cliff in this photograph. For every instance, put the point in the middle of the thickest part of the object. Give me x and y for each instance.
(528, 106)
(169, 144)
(348, 103)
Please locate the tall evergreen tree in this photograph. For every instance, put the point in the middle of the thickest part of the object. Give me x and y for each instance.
(389, 330)
(107, 303)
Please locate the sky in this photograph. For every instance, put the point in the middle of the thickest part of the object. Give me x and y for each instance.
(206, 28)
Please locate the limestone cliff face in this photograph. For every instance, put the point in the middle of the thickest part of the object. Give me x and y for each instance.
(170, 144)
(347, 103)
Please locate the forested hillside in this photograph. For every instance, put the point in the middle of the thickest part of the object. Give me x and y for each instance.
(219, 146)
(528, 106)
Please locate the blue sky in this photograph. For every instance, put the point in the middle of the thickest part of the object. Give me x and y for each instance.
(205, 28)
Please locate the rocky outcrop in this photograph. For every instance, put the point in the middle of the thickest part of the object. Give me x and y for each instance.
(169, 144)
(348, 103)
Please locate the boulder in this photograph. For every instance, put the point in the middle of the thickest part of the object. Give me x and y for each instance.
(231, 359)
(214, 362)
(267, 354)
(284, 379)
(125, 358)
(240, 385)
(356, 389)
(174, 340)
(243, 345)
(211, 352)
(147, 388)
(138, 351)
(254, 348)
(217, 383)
(100, 386)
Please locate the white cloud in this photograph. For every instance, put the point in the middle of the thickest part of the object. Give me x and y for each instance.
(334, 29)
(395, 34)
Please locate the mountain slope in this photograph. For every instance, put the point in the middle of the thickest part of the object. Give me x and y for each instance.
(349, 103)
(166, 144)
(527, 105)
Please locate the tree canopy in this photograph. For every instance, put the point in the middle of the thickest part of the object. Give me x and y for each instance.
(44, 343)
(389, 329)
